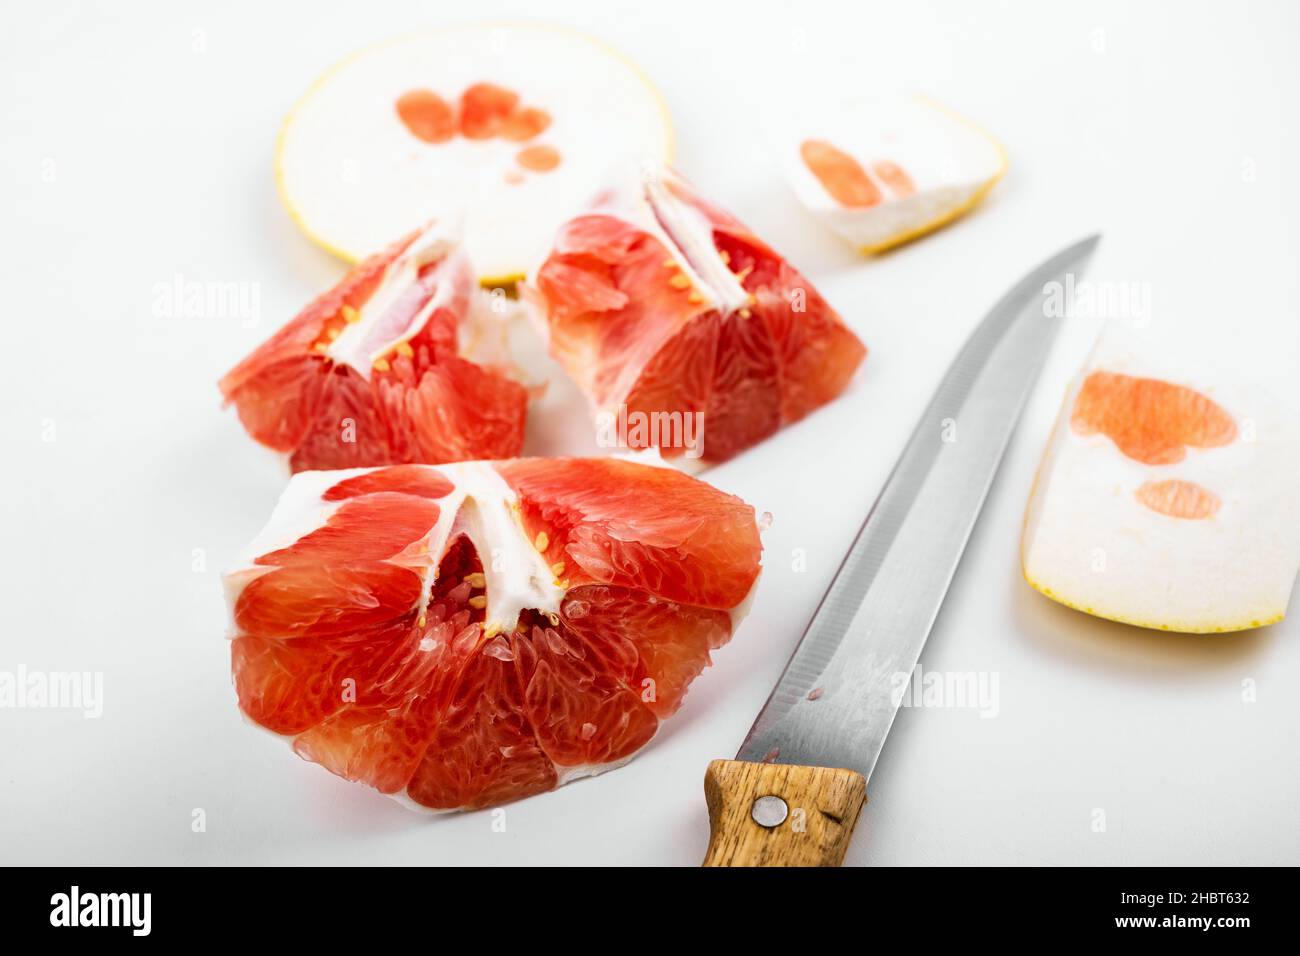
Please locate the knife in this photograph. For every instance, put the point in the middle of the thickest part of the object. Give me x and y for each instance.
(793, 794)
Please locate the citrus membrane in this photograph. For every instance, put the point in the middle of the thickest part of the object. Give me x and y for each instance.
(464, 635)
(507, 123)
(664, 308)
(1166, 496)
(372, 372)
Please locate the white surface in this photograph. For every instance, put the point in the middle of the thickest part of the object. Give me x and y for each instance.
(137, 154)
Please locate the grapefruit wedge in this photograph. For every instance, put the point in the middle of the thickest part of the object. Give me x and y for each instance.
(882, 171)
(1167, 496)
(371, 373)
(465, 635)
(508, 122)
(684, 329)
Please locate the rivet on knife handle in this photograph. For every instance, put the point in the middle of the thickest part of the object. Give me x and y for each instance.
(777, 815)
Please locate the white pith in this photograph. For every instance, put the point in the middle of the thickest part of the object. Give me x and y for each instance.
(480, 505)
(948, 159)
(1091, 544)
(436, 243)
(867, 228)
(689, 234)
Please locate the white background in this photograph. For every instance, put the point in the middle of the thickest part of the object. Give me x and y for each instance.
(131, 157)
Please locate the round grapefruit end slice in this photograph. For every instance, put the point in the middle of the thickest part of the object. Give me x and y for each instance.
(509, 123)
(1166, 496)
(465, 635)
(686, 332)
(371, 373)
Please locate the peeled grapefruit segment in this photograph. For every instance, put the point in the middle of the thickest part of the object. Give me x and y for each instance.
(468, 634)
(510, 123)
(882, 171)
(371, 372)
(685, 330)
(1166, 497)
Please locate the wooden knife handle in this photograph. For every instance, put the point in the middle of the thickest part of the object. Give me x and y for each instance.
(776, 815)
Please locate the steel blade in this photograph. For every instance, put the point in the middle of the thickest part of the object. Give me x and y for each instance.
(836, 701)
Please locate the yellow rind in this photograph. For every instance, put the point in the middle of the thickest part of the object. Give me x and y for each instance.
(487, 282)
(938, 222)
(1180, 627)
(957, 211)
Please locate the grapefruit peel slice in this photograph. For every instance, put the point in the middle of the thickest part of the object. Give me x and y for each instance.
(658, 304)
(463, 635)
(883, 171)
(506, 122)
(374, 371)
(1165, 497)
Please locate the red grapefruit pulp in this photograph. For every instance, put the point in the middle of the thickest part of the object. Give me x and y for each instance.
(371, 372)
(474, 633)
(656, 301)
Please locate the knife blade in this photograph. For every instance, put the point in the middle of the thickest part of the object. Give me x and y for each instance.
(793, 793)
